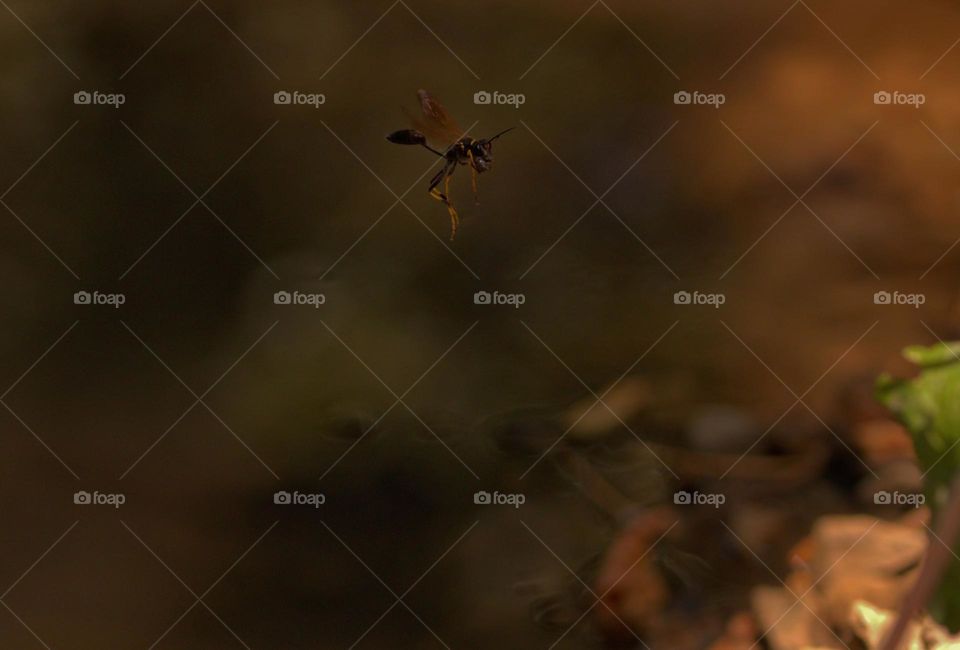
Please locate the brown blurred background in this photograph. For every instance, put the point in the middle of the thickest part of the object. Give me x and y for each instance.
(289, 208)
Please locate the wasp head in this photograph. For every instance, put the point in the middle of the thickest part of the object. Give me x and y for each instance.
(483, 152)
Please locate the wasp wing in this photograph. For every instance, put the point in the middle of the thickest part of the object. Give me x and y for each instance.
(435, 122)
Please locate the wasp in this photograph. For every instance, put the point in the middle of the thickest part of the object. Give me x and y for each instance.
(437, 126)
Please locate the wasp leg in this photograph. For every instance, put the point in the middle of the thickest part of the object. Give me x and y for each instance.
(444, 175)
(473, 178)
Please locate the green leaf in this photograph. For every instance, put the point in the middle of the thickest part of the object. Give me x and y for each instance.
(929, 407)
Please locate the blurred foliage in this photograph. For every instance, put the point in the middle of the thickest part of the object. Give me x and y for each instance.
(928, 406)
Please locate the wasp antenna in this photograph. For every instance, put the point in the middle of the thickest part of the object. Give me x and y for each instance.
(501, 133)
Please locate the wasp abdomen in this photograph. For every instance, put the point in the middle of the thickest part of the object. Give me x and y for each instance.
(407, 136)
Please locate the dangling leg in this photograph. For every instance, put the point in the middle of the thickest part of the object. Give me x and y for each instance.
(454, 217)
(473, 178)
(444, 175)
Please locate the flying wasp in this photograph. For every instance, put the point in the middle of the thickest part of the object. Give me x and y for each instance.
(438, 127)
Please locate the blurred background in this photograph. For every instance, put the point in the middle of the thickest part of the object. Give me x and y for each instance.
(398, 398)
